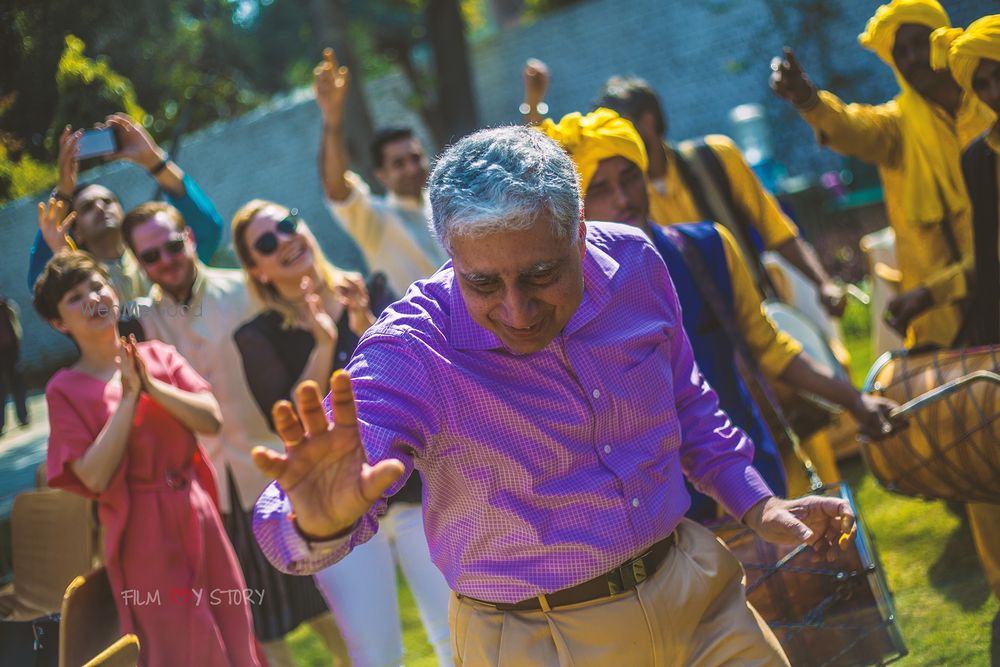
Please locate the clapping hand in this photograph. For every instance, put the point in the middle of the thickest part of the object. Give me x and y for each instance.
(319, 322)
(324, 469)
(354, 296)
(133, 370)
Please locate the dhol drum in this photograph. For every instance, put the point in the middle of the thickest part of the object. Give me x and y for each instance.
(825, 614)
(951, 446)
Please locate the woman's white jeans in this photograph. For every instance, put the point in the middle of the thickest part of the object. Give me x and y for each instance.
(361, 591)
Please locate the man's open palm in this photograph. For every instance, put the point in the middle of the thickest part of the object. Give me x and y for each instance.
(324, 469)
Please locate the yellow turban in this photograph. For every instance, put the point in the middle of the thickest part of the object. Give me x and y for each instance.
(961, 50)
(599, 135)
(880, 33)
(933, 188)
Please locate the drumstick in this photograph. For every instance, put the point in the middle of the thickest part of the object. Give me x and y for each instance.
(857, 293)
(944, 390)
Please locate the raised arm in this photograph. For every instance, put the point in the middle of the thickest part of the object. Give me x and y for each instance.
(136, 145)
(869, 133)
(98, 464)
(536, 86)
(199, 411)
(51, 230)
(330, 84)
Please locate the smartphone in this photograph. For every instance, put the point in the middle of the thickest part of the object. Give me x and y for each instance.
(97, 142)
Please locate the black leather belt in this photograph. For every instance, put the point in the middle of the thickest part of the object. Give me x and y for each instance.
(621, 579)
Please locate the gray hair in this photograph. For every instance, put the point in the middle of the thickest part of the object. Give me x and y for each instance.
(503, 179)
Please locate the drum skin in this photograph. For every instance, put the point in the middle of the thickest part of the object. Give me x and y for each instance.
(825, 614)
(950, 448)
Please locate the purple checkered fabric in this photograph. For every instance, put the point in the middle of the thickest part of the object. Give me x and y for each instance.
(541, 470)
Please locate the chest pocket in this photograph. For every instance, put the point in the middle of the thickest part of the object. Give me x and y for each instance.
(647, 393)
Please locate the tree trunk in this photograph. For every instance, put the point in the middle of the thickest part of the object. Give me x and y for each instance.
(456, 105)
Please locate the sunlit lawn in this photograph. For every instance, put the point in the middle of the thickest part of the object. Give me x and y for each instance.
(942, 599)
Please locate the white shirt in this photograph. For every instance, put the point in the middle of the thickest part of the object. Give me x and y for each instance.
(202, 331)
(392, 232)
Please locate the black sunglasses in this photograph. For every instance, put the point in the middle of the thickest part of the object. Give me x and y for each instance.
(267, 242)
(174, 246)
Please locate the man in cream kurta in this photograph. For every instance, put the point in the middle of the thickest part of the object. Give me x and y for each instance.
(202, 331)
(392, 231)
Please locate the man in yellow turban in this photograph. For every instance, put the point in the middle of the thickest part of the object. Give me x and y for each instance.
(916, 141)
(677, 192)
(610, 157)
(973, 56)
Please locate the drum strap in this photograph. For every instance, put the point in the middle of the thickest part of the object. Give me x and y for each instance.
(748, 368)
(703, 173)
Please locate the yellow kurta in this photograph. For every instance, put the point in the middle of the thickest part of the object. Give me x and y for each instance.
(772, 349)
(671, 202)
(875, 134)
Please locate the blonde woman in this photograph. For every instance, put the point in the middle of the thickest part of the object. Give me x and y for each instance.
(314, 314)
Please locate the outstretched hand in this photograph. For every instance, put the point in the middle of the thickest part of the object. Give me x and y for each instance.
(324, 469)
(789, 81)
(53, 225)
(822, 522)
(330, 84)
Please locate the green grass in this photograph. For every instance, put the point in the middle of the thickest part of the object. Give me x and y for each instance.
(942, 599)
(943, 602)
(309, 650)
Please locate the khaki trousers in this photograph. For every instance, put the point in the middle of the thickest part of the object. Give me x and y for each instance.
(693, 611)
(984, 520)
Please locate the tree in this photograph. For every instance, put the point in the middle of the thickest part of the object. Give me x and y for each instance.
(89, 90)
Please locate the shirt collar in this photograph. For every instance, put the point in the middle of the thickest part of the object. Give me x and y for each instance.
(598, 270)
(407, 203)
(157, 294)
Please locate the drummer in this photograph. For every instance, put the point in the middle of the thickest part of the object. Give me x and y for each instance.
(973, 56)
(611, 159)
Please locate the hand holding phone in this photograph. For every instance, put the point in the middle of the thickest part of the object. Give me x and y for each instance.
(96, 142)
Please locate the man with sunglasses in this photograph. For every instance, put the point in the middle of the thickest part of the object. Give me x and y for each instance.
(196, 309)
(97, 226)
(391, 231)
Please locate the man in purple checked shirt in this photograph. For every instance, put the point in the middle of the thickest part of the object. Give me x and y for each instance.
(542, 384)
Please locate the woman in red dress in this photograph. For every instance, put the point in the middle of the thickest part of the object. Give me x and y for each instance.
(123, 421)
